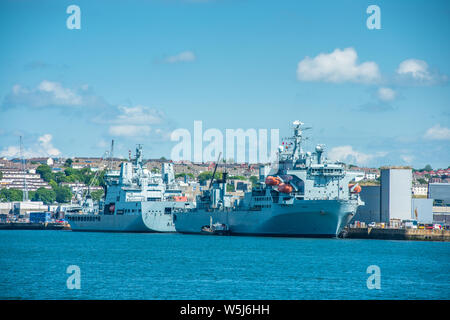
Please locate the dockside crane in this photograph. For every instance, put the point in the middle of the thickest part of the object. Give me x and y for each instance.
(25, 186)
(111, 155)
(214, 173)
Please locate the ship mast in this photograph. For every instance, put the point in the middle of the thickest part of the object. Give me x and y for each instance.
(297, 153)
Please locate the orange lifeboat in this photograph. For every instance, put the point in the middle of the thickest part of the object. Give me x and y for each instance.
(273, 181)
(180, 198)
(285, 188)
(357, 188)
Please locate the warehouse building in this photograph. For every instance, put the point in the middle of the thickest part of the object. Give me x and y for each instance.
(422, 210)
(370, 212)
(395, 193)
(440, 192)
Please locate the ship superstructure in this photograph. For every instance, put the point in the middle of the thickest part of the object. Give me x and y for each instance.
(302, 194)
(136, 200)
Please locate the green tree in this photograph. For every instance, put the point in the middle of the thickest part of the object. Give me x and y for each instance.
(206, 175)
(230, 187)
(31, 194)
(183, 174)
(1, 175)
(97, 195)
(44, 195)
(427, 168)
(101, 179)
(53, 184)
(422, 181)
(45, 172)
(63, 194)
(254, 180)
(68, 163)
(237, 178)
(74, 175)
(8, 195)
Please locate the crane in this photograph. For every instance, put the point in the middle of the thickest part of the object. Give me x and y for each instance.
(214, 173)
(110, 164)
(25, 186)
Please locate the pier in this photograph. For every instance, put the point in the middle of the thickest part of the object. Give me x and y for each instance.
(397, 234)
(33, 226)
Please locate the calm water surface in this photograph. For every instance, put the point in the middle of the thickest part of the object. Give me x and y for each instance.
(33, 265)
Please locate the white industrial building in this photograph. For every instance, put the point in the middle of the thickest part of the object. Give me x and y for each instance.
(422, 210)
(395, 193)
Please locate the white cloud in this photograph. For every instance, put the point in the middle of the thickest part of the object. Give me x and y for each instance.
(337, 66)
(129, 130)
(348, 155)
(102, 144)
(136, 121)
(47, 147)
(139, 115)
(386, 94)
(418, 69)
(418, 72)
(49, 93)
(42, 148)
(185, 56)
(407, 158)
(60, 94)
(438, 133)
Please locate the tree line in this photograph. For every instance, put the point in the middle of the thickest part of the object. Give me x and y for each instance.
(57, 193)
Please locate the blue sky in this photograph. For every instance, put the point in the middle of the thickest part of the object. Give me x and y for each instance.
(136, 70)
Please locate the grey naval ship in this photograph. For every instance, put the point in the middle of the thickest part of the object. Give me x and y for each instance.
(136, 200)
(302, 194)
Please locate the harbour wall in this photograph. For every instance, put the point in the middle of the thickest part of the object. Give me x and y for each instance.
(398, 234)
(33, 226)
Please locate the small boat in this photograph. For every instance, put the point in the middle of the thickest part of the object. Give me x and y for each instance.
(215, 229)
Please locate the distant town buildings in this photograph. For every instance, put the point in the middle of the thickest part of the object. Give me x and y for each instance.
(420, 190)
(13, 178)
(47, 161)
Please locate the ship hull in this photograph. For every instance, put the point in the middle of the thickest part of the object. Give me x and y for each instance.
(153, 219)
(310, 218)
(108, 223)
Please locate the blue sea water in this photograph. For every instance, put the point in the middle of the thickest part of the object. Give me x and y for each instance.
(33, 265)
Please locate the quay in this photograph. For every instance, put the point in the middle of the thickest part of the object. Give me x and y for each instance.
(397, 234)
(33, 226)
